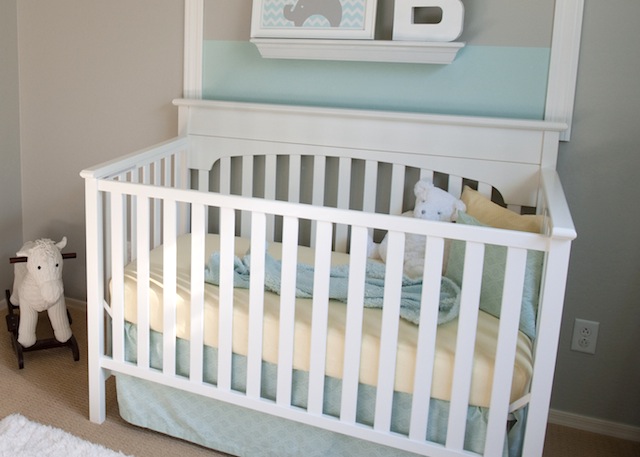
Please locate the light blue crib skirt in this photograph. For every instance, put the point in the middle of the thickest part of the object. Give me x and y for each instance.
(245, 433)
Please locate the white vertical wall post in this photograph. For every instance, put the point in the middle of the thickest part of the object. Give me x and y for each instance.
(193, 38)
(563, 66)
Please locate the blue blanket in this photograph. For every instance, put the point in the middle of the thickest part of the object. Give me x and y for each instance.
(339, 283)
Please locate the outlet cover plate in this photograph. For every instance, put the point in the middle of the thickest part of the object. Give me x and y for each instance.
(585, 336)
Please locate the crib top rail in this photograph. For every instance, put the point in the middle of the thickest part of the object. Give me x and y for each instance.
(135, 160)
(508, 153)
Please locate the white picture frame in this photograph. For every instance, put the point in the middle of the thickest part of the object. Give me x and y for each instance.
(325, 19)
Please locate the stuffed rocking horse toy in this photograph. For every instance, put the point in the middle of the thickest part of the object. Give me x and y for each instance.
(38, 287)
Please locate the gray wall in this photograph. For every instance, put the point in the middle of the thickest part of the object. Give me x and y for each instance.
(10, 203)
(96, 81)
(599, 169)
(490, 22)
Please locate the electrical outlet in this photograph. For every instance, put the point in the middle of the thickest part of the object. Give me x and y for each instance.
(585, 336)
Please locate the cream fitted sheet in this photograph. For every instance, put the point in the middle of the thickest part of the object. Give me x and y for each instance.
(486, 337)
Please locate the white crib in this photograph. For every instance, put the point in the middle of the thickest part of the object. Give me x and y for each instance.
(275, 178)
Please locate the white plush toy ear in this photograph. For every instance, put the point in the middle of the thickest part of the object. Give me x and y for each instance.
(62, 243)
(25, 250)
(422, 188)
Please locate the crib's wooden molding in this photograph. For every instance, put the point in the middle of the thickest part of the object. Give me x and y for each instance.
(595, 425)
(563, 68)
(193, 44)
(400, 116)
(464, 145)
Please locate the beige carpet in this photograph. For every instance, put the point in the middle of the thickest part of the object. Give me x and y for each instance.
(52, 389)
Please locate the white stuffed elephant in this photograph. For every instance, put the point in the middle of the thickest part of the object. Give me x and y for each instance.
(37, 286)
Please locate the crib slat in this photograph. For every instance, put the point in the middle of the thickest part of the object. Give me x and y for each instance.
(319, 173)
(157, 181)
(270, 182)
(506, 350)
(203, 186)
(353, 330)
(126, 216)
(515, 208)
(295, 167)
(485, 189)
(465, 342)
(256, 305)
(247, 191)
(426, 174)
(396, 196)
(319, 317)
(370, 182)
(317, 199)
(117, 273)
(287, 310)
(183, 181)
(132, 228)
(225, 310)
(108, 233)
(455, 186)
(198, 217)
(225, 176)
(169, 288)
(389, 331)
(344, 184)
(427, 330)
(143, 281)
(203, 180)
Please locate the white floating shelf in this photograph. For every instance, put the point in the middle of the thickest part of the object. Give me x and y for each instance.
(358, 50)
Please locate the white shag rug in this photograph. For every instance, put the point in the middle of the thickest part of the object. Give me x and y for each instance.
(20, 437)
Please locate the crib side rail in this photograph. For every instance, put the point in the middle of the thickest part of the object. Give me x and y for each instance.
(359, 223)
(554, 205)
(136, 160)
(162, 164)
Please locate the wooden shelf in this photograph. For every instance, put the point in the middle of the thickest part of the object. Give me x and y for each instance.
(358, 50)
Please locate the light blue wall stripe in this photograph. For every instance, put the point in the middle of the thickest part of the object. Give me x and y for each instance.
(483, 81)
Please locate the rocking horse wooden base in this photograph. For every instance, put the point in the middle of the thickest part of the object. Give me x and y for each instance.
(13, 320)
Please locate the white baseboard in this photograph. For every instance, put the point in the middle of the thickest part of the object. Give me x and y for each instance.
(74, 303)
(590, 424)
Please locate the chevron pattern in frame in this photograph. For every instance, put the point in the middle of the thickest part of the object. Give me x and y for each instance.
(314, 18)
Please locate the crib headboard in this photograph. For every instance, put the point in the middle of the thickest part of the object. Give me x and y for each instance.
(507, 153)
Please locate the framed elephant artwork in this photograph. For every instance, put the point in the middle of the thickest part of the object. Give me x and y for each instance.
(331, 19)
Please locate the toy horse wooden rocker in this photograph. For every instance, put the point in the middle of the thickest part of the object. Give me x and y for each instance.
(38, 287)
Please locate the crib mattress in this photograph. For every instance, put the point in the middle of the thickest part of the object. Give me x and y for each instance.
(486, 337)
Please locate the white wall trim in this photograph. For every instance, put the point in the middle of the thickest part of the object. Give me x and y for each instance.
(563, 65)
(590, 424)
(74, 303)
(193, 43)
